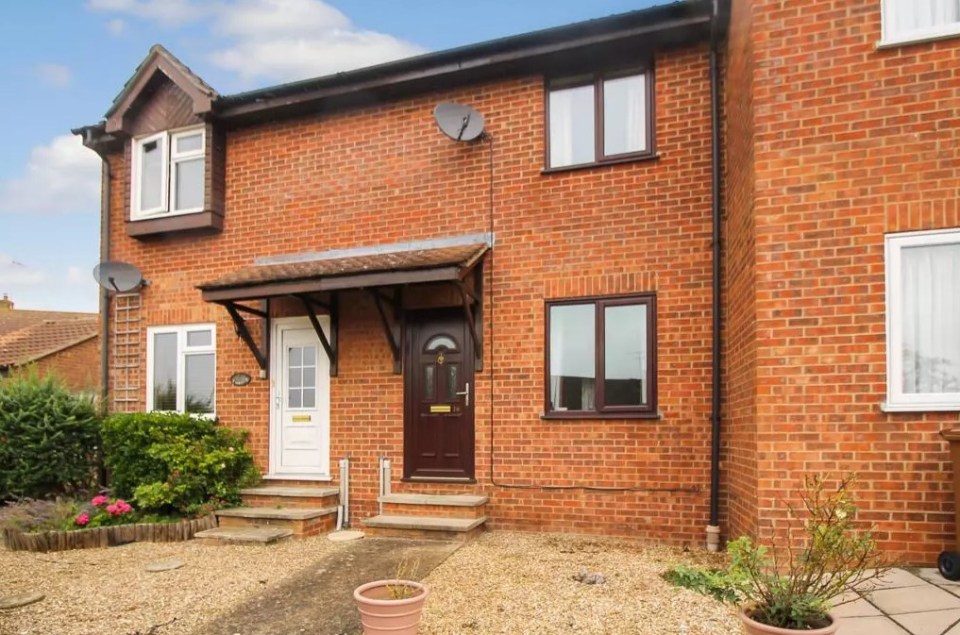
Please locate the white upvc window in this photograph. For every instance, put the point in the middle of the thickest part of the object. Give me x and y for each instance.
(923, 321)
(916, 20)
(168, 173)
(181, 368)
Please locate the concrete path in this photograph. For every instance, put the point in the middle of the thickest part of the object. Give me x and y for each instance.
(319, 600)
(905, 603)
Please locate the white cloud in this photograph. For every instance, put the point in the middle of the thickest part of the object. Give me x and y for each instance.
(62, 176)
(116, 26)
(273, 40)
(77, 275)
(56, 75)
(17, 274)
(167, 12)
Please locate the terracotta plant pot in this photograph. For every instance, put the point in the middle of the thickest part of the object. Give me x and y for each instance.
(380, 613)
(752, 627)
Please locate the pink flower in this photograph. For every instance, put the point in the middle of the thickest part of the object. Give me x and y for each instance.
(82, 519)
(119, 508)
(99, 501)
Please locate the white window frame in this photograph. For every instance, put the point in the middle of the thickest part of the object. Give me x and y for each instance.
(138, 170)
(897, 400)
(892, 37)
(177, 157)
(168, 161)
(183, 351)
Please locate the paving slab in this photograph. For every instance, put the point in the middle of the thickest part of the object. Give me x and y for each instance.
(869, 626)
(244, 535)
(893, 579)
(21, 599)
(928, 622)
(320, 600)
(858, 607)
(932, 575)
(913, 599)
(164, 565)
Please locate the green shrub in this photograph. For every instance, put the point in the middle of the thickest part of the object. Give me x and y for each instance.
(48, 438)
(171, 462)
(718, 583)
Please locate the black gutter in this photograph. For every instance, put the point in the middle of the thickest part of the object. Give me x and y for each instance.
(715, 401)
(671, 24)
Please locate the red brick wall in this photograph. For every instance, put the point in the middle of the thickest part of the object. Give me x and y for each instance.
(77, 365)
(850, 142)
(739, 430)
(384, 174)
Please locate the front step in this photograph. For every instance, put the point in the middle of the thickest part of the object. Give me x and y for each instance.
(242, 535)
(430, 527)
(434, 505)
(301, 521)
(305, 496)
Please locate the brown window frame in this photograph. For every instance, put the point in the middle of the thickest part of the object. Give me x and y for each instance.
(602, 411)
(596, 80)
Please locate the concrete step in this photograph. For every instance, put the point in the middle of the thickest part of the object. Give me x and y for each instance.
(433, 527)
(302, 521)
(290, 496)
(436, 505)
(243, 535)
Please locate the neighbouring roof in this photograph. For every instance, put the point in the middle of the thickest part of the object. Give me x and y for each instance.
(326, 274)
(26, 336)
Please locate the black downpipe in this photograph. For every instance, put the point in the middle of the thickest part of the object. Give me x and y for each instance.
(715, 396)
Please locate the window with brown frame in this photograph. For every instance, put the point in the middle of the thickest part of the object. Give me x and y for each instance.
(600, 118)
(601, 357)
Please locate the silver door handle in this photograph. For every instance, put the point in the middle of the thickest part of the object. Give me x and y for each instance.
(466, 393)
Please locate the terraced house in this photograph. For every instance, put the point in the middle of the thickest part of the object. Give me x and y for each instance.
(633, 276)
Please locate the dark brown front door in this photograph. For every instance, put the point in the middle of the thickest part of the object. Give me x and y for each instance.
(439, 397)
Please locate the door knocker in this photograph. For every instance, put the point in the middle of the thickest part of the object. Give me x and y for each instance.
(440, 358)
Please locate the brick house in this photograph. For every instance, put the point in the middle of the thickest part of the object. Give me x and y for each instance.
(527, 325)
(61, 343)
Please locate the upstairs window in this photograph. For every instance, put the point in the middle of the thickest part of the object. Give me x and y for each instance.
(599, 118)
(908, 20)
(923, 321)
(181, 368)
(168, 173)
(601, 357)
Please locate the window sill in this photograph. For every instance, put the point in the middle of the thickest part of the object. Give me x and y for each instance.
(211, 222)
(920, 37)
(590, 416)
(601, 164)
(919, 408)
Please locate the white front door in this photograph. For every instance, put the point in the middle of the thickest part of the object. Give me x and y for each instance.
(300, 416)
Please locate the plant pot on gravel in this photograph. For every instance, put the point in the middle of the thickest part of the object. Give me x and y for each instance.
(390, 606)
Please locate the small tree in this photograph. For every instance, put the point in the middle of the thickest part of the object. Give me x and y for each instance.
(822, 555)
(48, 437)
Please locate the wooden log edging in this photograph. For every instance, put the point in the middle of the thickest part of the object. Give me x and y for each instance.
(43, 541)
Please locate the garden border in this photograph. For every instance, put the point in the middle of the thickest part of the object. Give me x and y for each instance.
(43, 541)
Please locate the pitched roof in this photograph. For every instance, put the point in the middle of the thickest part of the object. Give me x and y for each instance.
(27, 336)
(156, 52)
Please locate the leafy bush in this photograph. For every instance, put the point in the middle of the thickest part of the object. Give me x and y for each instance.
(725, 586)
(174, 462)
(48, 437)
(823, 553)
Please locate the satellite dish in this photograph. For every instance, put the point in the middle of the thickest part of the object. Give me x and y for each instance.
(118, 276)
(459, 122)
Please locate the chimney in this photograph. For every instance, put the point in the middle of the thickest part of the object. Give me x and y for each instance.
(6, 304)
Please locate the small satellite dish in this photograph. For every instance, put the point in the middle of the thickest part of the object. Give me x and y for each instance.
(118, 276)
(459, 122)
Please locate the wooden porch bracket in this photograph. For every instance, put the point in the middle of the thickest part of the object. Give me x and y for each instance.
(472, 312)
(240, 326)
(392, 331)
(329, 345)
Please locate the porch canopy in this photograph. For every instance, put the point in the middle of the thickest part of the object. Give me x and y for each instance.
(316, 280)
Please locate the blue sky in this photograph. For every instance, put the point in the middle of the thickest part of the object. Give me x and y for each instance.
(63, 61)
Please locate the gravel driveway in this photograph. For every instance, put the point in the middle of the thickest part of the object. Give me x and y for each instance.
(503, 583)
